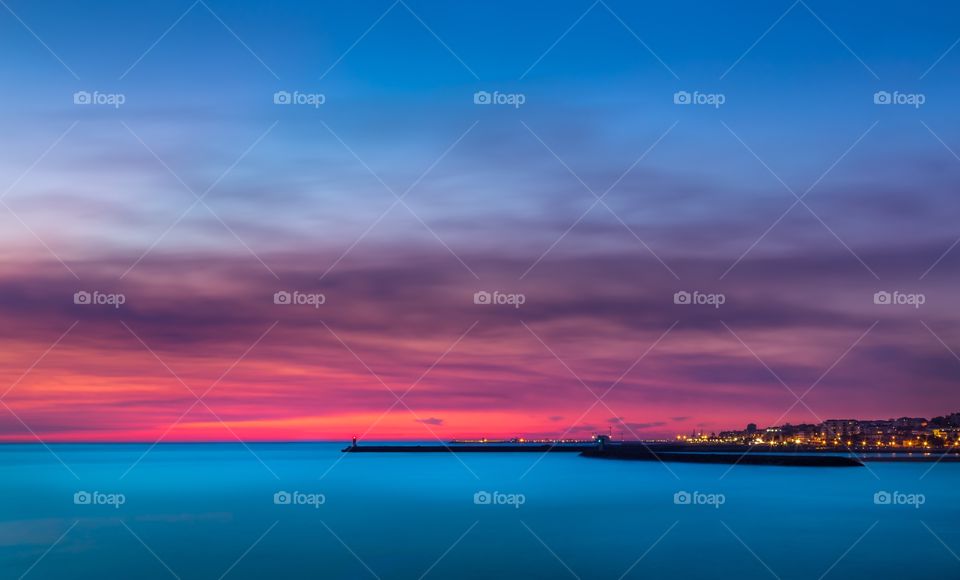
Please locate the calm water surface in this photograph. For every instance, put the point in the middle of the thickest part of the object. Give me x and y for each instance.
(205, 510)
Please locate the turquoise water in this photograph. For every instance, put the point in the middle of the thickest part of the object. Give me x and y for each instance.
(206, 510)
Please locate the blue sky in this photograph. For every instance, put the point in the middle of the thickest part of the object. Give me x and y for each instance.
(501, 196)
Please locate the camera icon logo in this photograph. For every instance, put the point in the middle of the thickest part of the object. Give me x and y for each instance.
(882, 297)
(482, 297)
(482, 498)
(882, 498)
(482, 98)
(81, 297)
(82, 98)
(281, 297)
(681, 297)
(681, 98)
(82, 498)
(282, 98)
(682, 498)
(282, 498)
(882, 98)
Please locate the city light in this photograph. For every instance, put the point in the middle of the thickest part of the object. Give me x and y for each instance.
(905, 432)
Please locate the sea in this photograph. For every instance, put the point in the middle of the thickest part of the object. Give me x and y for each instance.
(306, 510)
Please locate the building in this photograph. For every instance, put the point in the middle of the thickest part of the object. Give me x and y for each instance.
(879, 431)
(911, 425)
(840, 428)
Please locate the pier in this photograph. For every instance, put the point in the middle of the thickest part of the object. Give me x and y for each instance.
(472, 448)
(637, 452)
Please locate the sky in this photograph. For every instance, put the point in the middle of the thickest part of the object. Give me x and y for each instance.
(584, 198)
